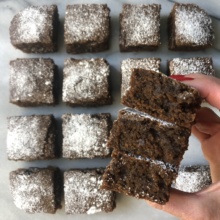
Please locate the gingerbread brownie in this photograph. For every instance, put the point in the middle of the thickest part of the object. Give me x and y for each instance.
(35, 29)
(192, 178)
(86, 82)
(83, 193)
(139, 27)
(87, 28)
(162, 97)
(189, 28)
(31, 138)
(36, 190)
(85, 135)
(128, 64)
(32, 82)
(181, 66)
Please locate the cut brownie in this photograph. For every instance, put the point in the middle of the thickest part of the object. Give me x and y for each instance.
(139, 177)
(139, 27)
(178, 66)
(86, 82)
(35, 29)
(192, 178)
(190, 28)
(31, 138)
(85, 135)
(128, 64)
(143, 135)
(32, 82)
(83, 193)
(87, 28)
(162, 97)
(36, 190)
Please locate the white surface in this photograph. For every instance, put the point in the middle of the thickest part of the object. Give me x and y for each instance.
(127, 207)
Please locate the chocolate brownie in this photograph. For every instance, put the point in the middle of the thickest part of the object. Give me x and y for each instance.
(86, 82)
(36, 190)
(128, 64)
(139, 27)
(35, 29)
(83, 193)
(31, 138)
(87, 28)
(85, 135)
(162, 97)
(185, 66)
(32, 82)
(189, 28)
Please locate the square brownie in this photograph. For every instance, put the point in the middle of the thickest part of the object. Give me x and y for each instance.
(128, 64)
(191, 65)
(83, 193)
(85, 135)
(86, 82)
(35, 29)
(32, 82)
(36, 190)
(189, 28)
(87, 28)
(31, 138)
(139, 27)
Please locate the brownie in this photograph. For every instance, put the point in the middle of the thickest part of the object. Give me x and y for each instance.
(35, 29)
(139, 177)
(31, 138)
(32, 82)
(36, 190)
(185, 66)
(143, 135)
(85, 135)
(139, 27)
(83, 193)
(87, 28)
(189, 28)
(128, 64)
(192, 178)
(162, 97)
(86, 82)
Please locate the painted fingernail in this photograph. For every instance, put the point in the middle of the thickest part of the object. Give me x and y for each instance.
(181, 77)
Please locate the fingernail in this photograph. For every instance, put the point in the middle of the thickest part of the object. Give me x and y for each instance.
(181, 77)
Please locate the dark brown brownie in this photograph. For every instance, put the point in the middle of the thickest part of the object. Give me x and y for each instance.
(86, 82)
(192, 178)
(35, 29)
(36, 190)
(189, 28)
(178, 66)
(87, 28)
(32, 82)
(85, 135)
(139, 177)
(31, 138)
(162, 97)
(143, 135)
(139, 27)
(83, 193)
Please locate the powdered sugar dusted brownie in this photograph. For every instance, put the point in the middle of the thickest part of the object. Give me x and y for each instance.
(32, 82)
(31, 138)
(128, 64)
(190, 28)
(86, 82)
(36, 190)
(34, 30)
(191, 65)
(139, 27)
(85, 136)
(83, 193)
(192, 178)
(86, 28)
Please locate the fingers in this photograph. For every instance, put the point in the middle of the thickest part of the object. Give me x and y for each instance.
(199, 135)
